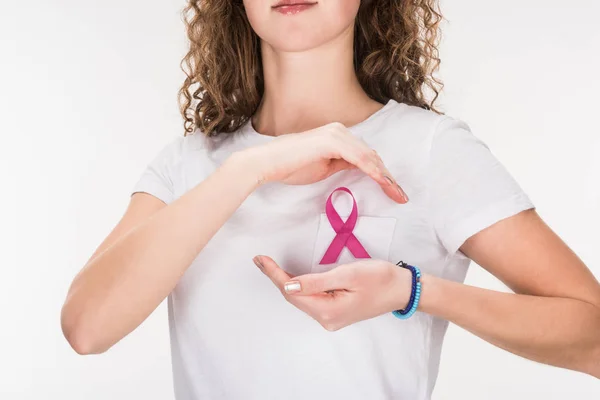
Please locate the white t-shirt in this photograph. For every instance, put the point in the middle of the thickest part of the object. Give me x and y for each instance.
(234, 336)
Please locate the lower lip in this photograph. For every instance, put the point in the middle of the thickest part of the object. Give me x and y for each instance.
(293, 9)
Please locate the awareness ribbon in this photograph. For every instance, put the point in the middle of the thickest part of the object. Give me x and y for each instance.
(344, 236)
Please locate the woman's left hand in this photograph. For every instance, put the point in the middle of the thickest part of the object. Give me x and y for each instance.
(346, 294)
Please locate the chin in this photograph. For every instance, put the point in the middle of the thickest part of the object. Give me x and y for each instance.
(304, 30)
(296, 42)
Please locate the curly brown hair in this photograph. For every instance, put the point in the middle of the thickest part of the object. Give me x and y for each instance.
(395, 57)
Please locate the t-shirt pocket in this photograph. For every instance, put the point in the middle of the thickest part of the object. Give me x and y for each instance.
(374, 233)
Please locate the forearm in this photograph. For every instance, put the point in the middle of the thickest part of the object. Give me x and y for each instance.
(123, 284)
(557, 331)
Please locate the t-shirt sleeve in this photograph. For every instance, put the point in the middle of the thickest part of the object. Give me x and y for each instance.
(158, 176)
(469, 189)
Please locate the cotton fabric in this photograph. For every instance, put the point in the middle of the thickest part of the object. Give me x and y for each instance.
(233, 335)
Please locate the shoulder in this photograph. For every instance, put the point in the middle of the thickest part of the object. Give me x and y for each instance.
(434, 132)
(407, 124)
(413, 117)
(194, 141)
(415, 133)
(427, 124)
(194, 150)
(173, 153)
(181, 146)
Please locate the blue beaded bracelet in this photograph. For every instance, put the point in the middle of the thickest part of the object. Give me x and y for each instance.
(415, 293)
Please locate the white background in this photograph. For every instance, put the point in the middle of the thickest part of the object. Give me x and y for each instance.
(88, 96)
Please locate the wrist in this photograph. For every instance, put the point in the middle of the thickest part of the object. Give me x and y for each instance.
(401, 287)
(430, 294)
(246, 167)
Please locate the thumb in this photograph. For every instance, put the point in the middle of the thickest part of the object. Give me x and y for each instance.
(310, 284)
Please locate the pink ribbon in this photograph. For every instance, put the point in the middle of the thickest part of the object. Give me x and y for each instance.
(344, 236)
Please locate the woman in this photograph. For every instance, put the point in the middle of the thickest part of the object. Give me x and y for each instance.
(300, 115)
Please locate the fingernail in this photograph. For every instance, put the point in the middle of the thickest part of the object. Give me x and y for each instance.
(293, 286)
(388, 179)
(404, 196)
(258, 263)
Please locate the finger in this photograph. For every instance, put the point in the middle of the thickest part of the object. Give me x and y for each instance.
(270, 268)
(390, 186)
(369, 162)
(341, 278)
(357, 152)
(392, 183)
(343, 144)
(339, 164)
(393, 190)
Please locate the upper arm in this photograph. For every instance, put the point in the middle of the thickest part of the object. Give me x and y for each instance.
(469, 188)
(153, 190)
(479, 209)
(528, 257)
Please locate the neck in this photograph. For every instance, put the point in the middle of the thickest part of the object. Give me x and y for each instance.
(308, 89)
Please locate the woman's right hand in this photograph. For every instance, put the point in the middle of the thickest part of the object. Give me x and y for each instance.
(311, 156)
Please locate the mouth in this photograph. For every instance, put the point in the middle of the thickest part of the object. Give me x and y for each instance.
(293, 6)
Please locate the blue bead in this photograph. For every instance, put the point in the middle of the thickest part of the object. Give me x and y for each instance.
(415, 293)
